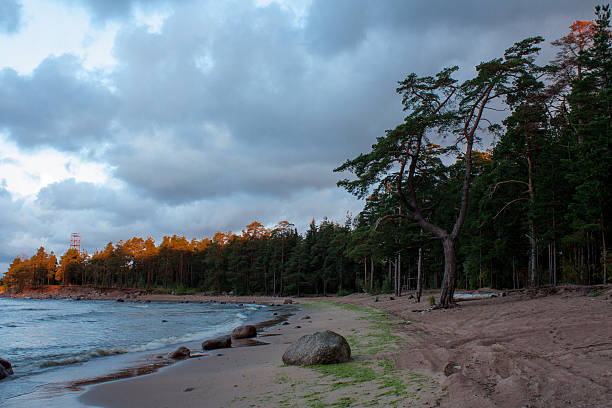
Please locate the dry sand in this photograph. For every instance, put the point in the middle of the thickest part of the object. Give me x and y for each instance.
(534, 348)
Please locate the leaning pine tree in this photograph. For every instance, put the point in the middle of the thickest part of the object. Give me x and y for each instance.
(437, 104)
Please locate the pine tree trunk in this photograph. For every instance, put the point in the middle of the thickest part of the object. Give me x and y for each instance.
(605, 255)
(398, 284)
(554, 263)
(532, 260)
(282, 268)
(450, 273)
(371, 274)
(419, 290)
(513, 274)
(365, 273)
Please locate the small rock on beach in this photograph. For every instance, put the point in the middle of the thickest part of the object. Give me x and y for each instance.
(180, 353)
(244, 332)
(221, 342)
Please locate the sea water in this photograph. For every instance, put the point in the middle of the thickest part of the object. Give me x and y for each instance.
(53, 342)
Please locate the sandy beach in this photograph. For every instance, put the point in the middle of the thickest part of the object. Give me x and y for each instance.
(534, 348)
(256, 376)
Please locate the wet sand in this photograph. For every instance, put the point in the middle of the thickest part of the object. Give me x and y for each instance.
(256, 376)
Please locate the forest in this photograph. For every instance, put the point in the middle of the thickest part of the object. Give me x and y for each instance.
(501, 181)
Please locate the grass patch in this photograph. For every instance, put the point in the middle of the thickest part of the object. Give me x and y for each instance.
(343, 402)
(373, 379)
(379, 338)
(387, 366)
(348, 373)
(596, 292)
(398, 387)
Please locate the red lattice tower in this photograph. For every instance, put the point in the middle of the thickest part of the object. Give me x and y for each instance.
(75, 241)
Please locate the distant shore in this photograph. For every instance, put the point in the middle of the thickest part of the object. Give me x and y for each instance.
(133, 295)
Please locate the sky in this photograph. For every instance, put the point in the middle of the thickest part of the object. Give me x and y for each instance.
(122, 118)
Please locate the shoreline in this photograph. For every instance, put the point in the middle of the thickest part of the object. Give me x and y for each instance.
(256, 376)
(78, 293)
(134, 364)
(156, 361)
(528, 347)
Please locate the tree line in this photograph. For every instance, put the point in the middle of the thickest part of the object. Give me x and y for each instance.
(442, 209)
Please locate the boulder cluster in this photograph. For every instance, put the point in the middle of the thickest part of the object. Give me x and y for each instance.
(240, 332)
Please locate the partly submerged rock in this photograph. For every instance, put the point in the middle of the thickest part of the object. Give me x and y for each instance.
(244, 332)
(6, 368)
(319, 348)
(180, 353)
(220, 342)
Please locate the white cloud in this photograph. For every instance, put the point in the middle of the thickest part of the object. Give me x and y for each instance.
(26, 172)
(50, 28)
(153, 19)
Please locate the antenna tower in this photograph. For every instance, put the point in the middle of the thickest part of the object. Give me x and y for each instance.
(75, 241)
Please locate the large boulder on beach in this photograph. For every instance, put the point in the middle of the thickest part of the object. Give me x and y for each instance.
(6, 368)
(220, 342)
(244, 332)
(319, 348)
(180, 353)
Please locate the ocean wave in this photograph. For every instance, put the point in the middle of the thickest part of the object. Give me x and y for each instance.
(81, 357)
(67, 361)
(188, 337)
(27, 309)
(107, 352)
(108, 331)
(65, 316)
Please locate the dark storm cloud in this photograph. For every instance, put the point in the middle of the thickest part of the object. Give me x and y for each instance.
(101, 203)
(358, 17)
(10, 16)
(55, 105)
(289, 117)
(72, 195)
(284, 94)
(194, 174)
